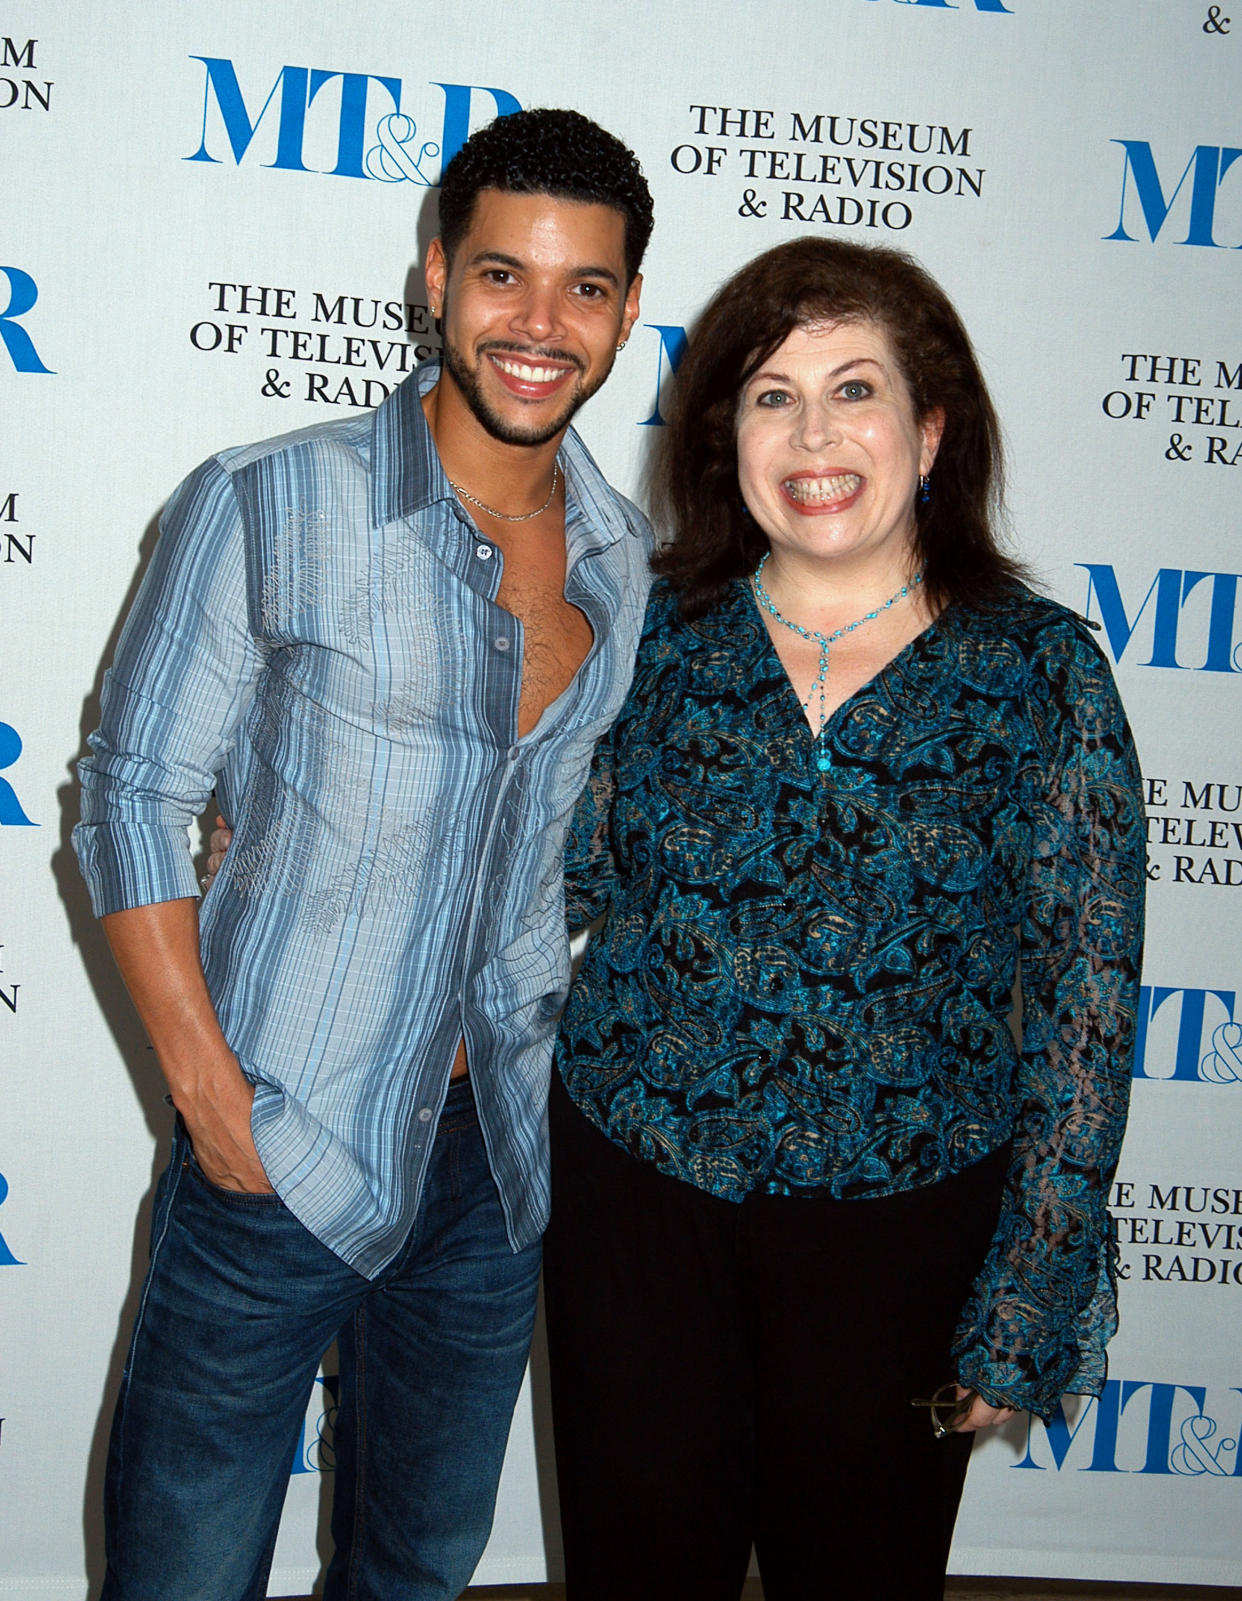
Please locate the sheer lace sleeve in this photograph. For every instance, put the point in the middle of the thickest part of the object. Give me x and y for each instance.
(1044, 1306)
(590, 870)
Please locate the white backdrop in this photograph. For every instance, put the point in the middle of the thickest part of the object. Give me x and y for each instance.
(212, 223)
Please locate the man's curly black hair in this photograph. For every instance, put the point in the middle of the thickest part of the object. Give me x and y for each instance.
(547, 152)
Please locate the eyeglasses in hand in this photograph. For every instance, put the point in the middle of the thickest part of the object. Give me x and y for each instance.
(948, 1409)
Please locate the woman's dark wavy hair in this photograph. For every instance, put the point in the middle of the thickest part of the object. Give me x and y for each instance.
(547, 151)
(806, 281)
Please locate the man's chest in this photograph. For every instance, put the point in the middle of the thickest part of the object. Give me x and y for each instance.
(556, 636)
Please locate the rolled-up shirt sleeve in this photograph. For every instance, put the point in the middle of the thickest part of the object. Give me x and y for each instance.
(178, 688)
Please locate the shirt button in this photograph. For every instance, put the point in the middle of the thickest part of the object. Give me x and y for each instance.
(483, 552)
(502, 643)
(425, 1115)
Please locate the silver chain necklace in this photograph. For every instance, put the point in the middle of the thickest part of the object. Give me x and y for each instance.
(504, 516)
(823, 757)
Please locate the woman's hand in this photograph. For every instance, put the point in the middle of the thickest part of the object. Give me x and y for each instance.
(981, 1415)
(221, 839)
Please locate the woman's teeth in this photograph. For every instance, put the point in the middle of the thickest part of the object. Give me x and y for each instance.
(820, 491)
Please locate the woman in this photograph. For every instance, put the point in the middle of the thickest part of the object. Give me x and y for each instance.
(845, 1070)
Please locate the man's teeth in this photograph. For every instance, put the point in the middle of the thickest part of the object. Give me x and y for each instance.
(528, 375)
(818, 491)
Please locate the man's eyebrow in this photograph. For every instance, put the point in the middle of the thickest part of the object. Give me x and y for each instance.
(498, 258)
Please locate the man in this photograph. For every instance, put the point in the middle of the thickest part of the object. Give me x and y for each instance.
(389, 644)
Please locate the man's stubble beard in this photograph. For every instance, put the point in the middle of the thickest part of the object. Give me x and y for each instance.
(467, 381)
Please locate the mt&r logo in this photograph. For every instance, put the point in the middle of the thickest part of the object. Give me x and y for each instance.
(19, 346)
(7, 1259)
(1194, 1040)
(1210, 618)
(952, 5)
(354, 120)
(11, 812)
(1201, 178)
(1141, 1426)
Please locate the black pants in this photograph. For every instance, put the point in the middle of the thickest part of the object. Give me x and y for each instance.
(723, 1374)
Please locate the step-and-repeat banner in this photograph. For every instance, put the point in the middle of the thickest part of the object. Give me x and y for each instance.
(213, 221)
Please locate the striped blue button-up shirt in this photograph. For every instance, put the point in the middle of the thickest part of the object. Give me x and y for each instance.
(317, 639)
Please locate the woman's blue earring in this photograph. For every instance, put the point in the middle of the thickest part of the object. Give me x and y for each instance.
(924, 488)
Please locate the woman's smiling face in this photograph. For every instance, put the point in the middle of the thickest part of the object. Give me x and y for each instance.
(829, 450)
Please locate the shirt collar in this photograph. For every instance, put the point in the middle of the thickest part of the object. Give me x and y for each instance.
(407, 476)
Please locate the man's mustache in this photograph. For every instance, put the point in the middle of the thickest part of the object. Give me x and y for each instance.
(531, 352)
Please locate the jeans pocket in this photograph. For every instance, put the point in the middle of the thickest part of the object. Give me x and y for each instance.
(247, 1199)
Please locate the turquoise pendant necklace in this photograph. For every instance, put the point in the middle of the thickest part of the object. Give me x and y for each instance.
(823, 757)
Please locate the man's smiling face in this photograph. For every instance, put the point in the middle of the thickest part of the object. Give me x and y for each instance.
(533, 306)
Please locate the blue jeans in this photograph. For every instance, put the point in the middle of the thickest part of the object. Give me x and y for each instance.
(239, 1305)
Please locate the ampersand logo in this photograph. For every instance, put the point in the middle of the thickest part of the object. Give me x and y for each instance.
(1194, 1455)
(1223, 1063)
(390, 160)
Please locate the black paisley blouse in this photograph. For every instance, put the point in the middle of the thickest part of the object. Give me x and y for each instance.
(810, 982)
